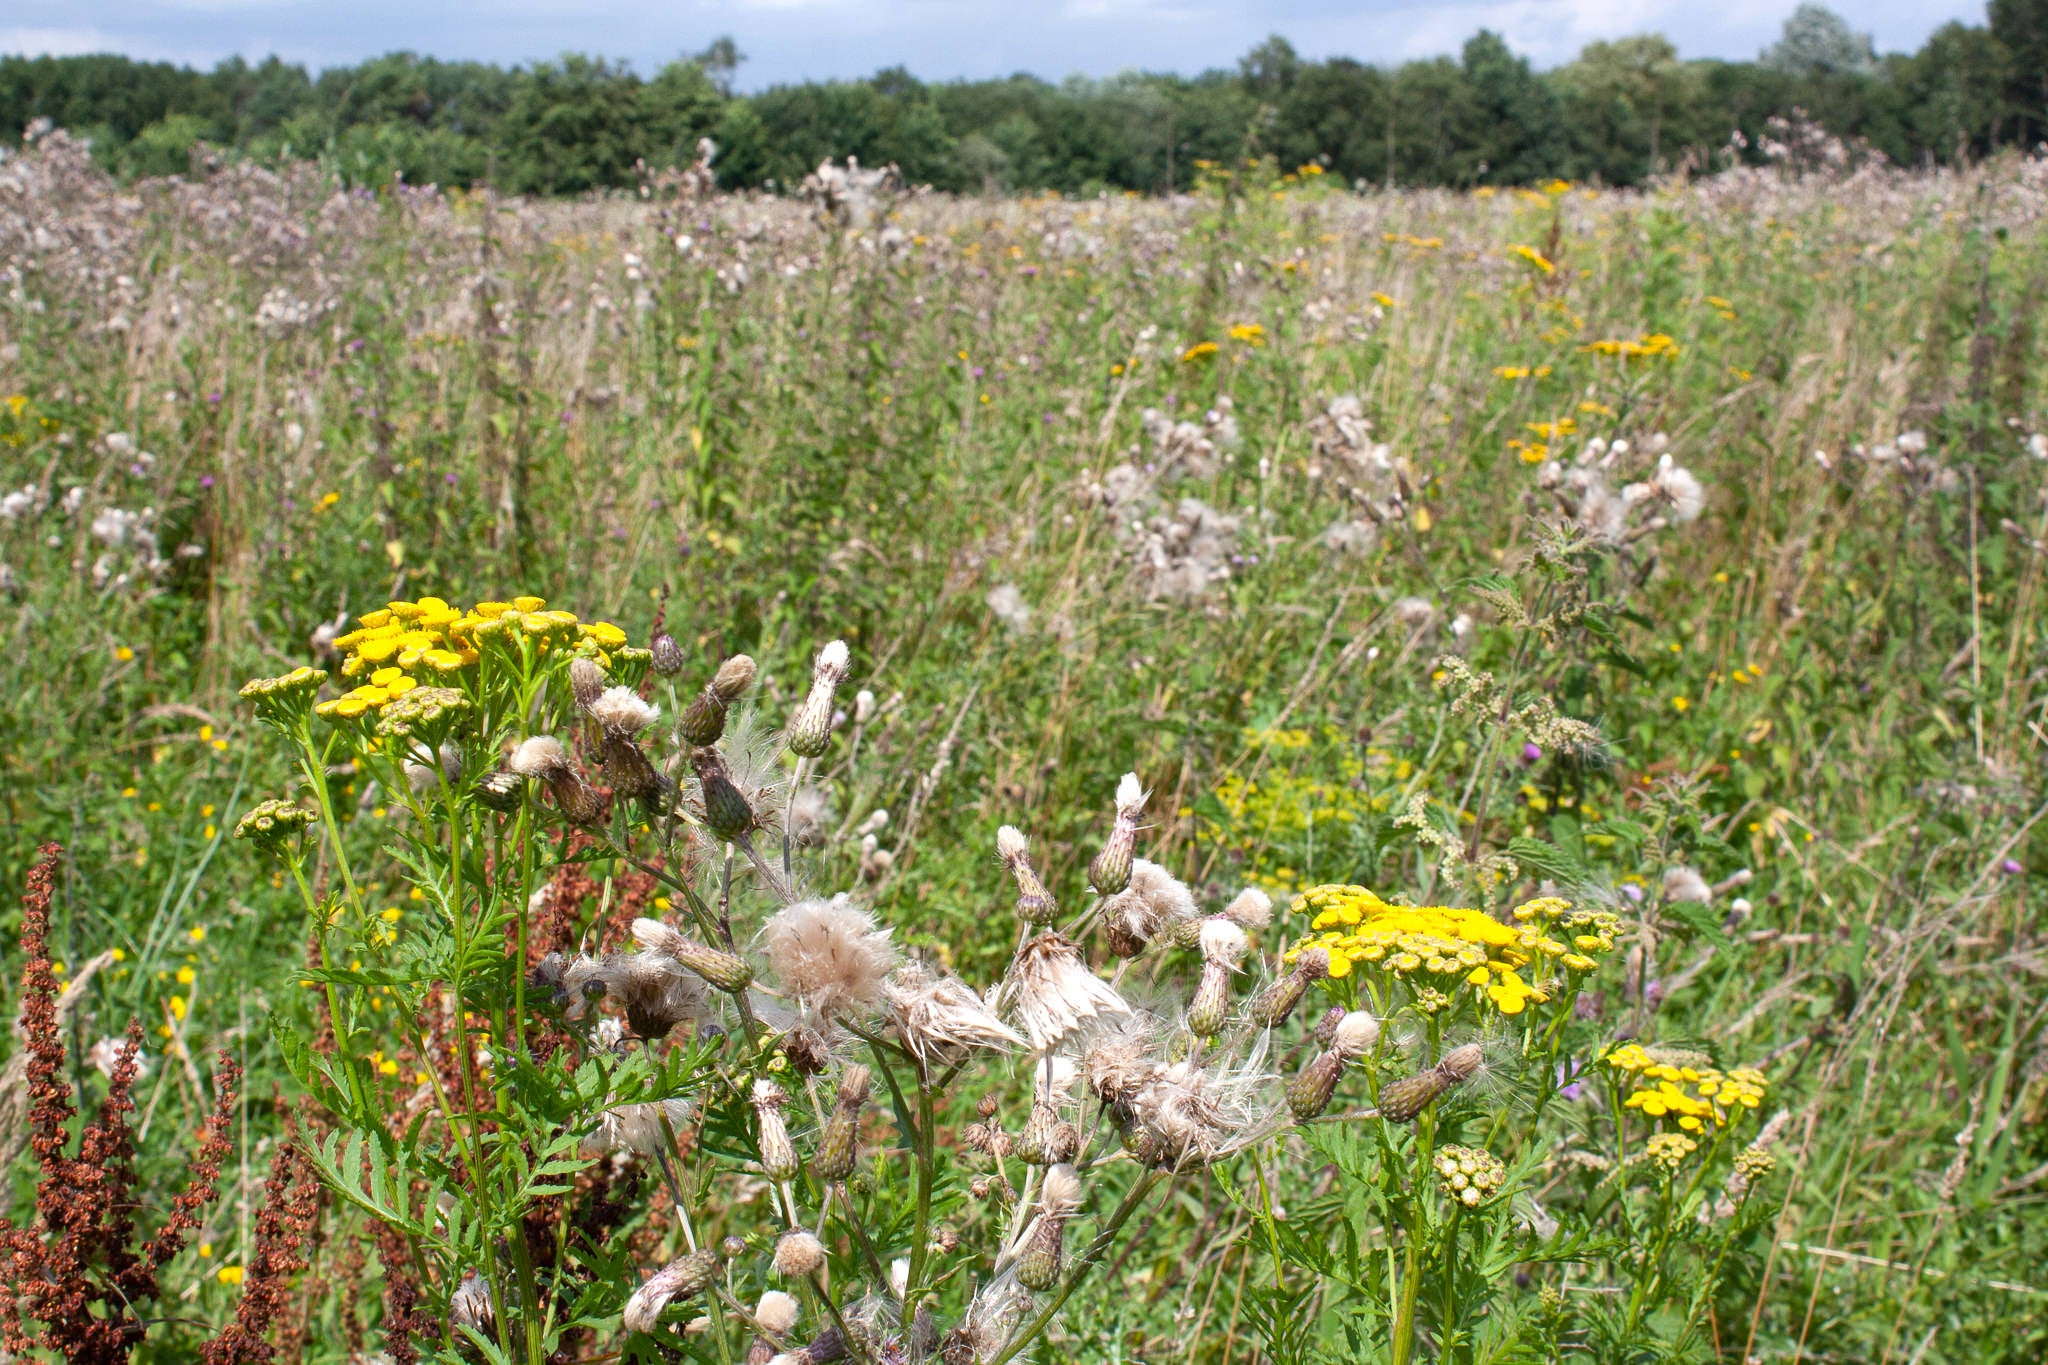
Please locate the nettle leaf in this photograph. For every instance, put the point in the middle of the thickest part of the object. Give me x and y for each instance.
(1699, 921)
(1548, 859)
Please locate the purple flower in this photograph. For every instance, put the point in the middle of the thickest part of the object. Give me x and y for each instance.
(2011, 867)
(1532, 753)
(452, 478)
(1569, 1087)
(206, 480)
(977, 371)
(1632, 891)
(213, 397)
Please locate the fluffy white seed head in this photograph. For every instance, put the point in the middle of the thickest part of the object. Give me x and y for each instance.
(540, 757)
(1461, 1063)
(1062, 1190)
(831, 663)
(1011, 844)
(1356, 1033)
(829, 954)
(798, 1255)
(1222, 941)
(1054, 994)
(621, 711)
(1130, 796)
(1166, 900)
(1686, 884)
(656, 937)
(1253, 909)
(776, 1311)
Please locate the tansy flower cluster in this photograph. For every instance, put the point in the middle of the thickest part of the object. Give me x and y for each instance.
(1671, 1085)
(398, 643)
(1451, 947)
(1652, 346)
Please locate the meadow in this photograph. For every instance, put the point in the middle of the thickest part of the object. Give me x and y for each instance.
(1672, 556)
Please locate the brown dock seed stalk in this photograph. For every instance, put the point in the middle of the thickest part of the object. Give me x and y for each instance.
(1038, 1268)
(284, 1226)
(810, 729)
(1035, 904)
(1270, 1008)
(838, 1146)
(683, 1278)
(940, 1018)
(829, 955)
(726, 971)
(1110, 872)
(778, 1153)
(1309, 1093)
(543, 759)
(704, 718)
(1053, 994)
(1404, 1099)
(1223, 944)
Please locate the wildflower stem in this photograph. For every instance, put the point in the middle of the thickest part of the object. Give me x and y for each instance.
(1082, 1265)
(1411, 1272)
(921, 1227)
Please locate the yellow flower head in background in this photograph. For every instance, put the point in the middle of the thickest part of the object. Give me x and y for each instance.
(1685, 1088)
(1505, 964)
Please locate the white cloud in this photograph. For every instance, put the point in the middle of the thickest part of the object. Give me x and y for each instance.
(56, 42)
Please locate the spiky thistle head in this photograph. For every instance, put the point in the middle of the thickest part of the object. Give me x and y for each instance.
(622, 712)
(1035, 904)
(685, 1277)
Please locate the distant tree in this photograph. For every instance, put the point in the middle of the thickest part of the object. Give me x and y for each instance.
(2022, 27)
(1622, 94)
(1271, 67)
(720, 60)
(1816, 41)
(1508, 126)
(574, 125)
(1954, 90)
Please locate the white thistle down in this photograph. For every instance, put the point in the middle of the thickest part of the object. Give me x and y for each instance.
(1054, 995)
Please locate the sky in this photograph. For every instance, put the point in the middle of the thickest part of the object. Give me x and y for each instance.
(794, 40)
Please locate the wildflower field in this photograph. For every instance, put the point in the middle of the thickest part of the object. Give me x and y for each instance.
(1275, 775)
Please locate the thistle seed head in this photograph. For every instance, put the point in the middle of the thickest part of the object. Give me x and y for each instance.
(798, 1255)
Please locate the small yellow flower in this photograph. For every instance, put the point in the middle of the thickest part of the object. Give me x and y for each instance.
(229, 1274)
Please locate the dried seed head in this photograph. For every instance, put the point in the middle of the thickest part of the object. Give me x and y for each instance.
(1223, 943)
(806, 1050)
(621, 711)
(639, 1129)
(798, 1255)
(586, 682)
(776, 1312)
(499, 791)
(1118, 1060)
(1053, 992)
(733, 678)
(722, 969)
(829, 955)
(630, 772)
(1355, 1035)
(1154, 902)
(682, 1278)
(810, 729)
(653, 989)
(540, 758)
(939, 1016)
(1253, 909)
(1461, 1062)
(470, 1305)
(1038, 1268)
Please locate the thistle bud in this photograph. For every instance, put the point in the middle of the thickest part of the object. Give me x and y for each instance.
(1212, 1001)
(685, 1277)
(1034, 1144)
(1035, 904)
(778, 1153)
(837, 1149)
(810, 729)
(704, 719)
(798, 1255)
(1406, 1098)
(1272, 1005)
(668, 655)
(630, 773)
(1309, 1093)
(726, 811)
(826, 1348)
(1039, 1266)
(724, 970)
(1326, 1027)
(1110, 872)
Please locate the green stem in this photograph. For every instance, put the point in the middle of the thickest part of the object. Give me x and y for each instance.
(1411, 1273)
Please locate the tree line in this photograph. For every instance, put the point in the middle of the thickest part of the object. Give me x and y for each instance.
(1618, 113)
